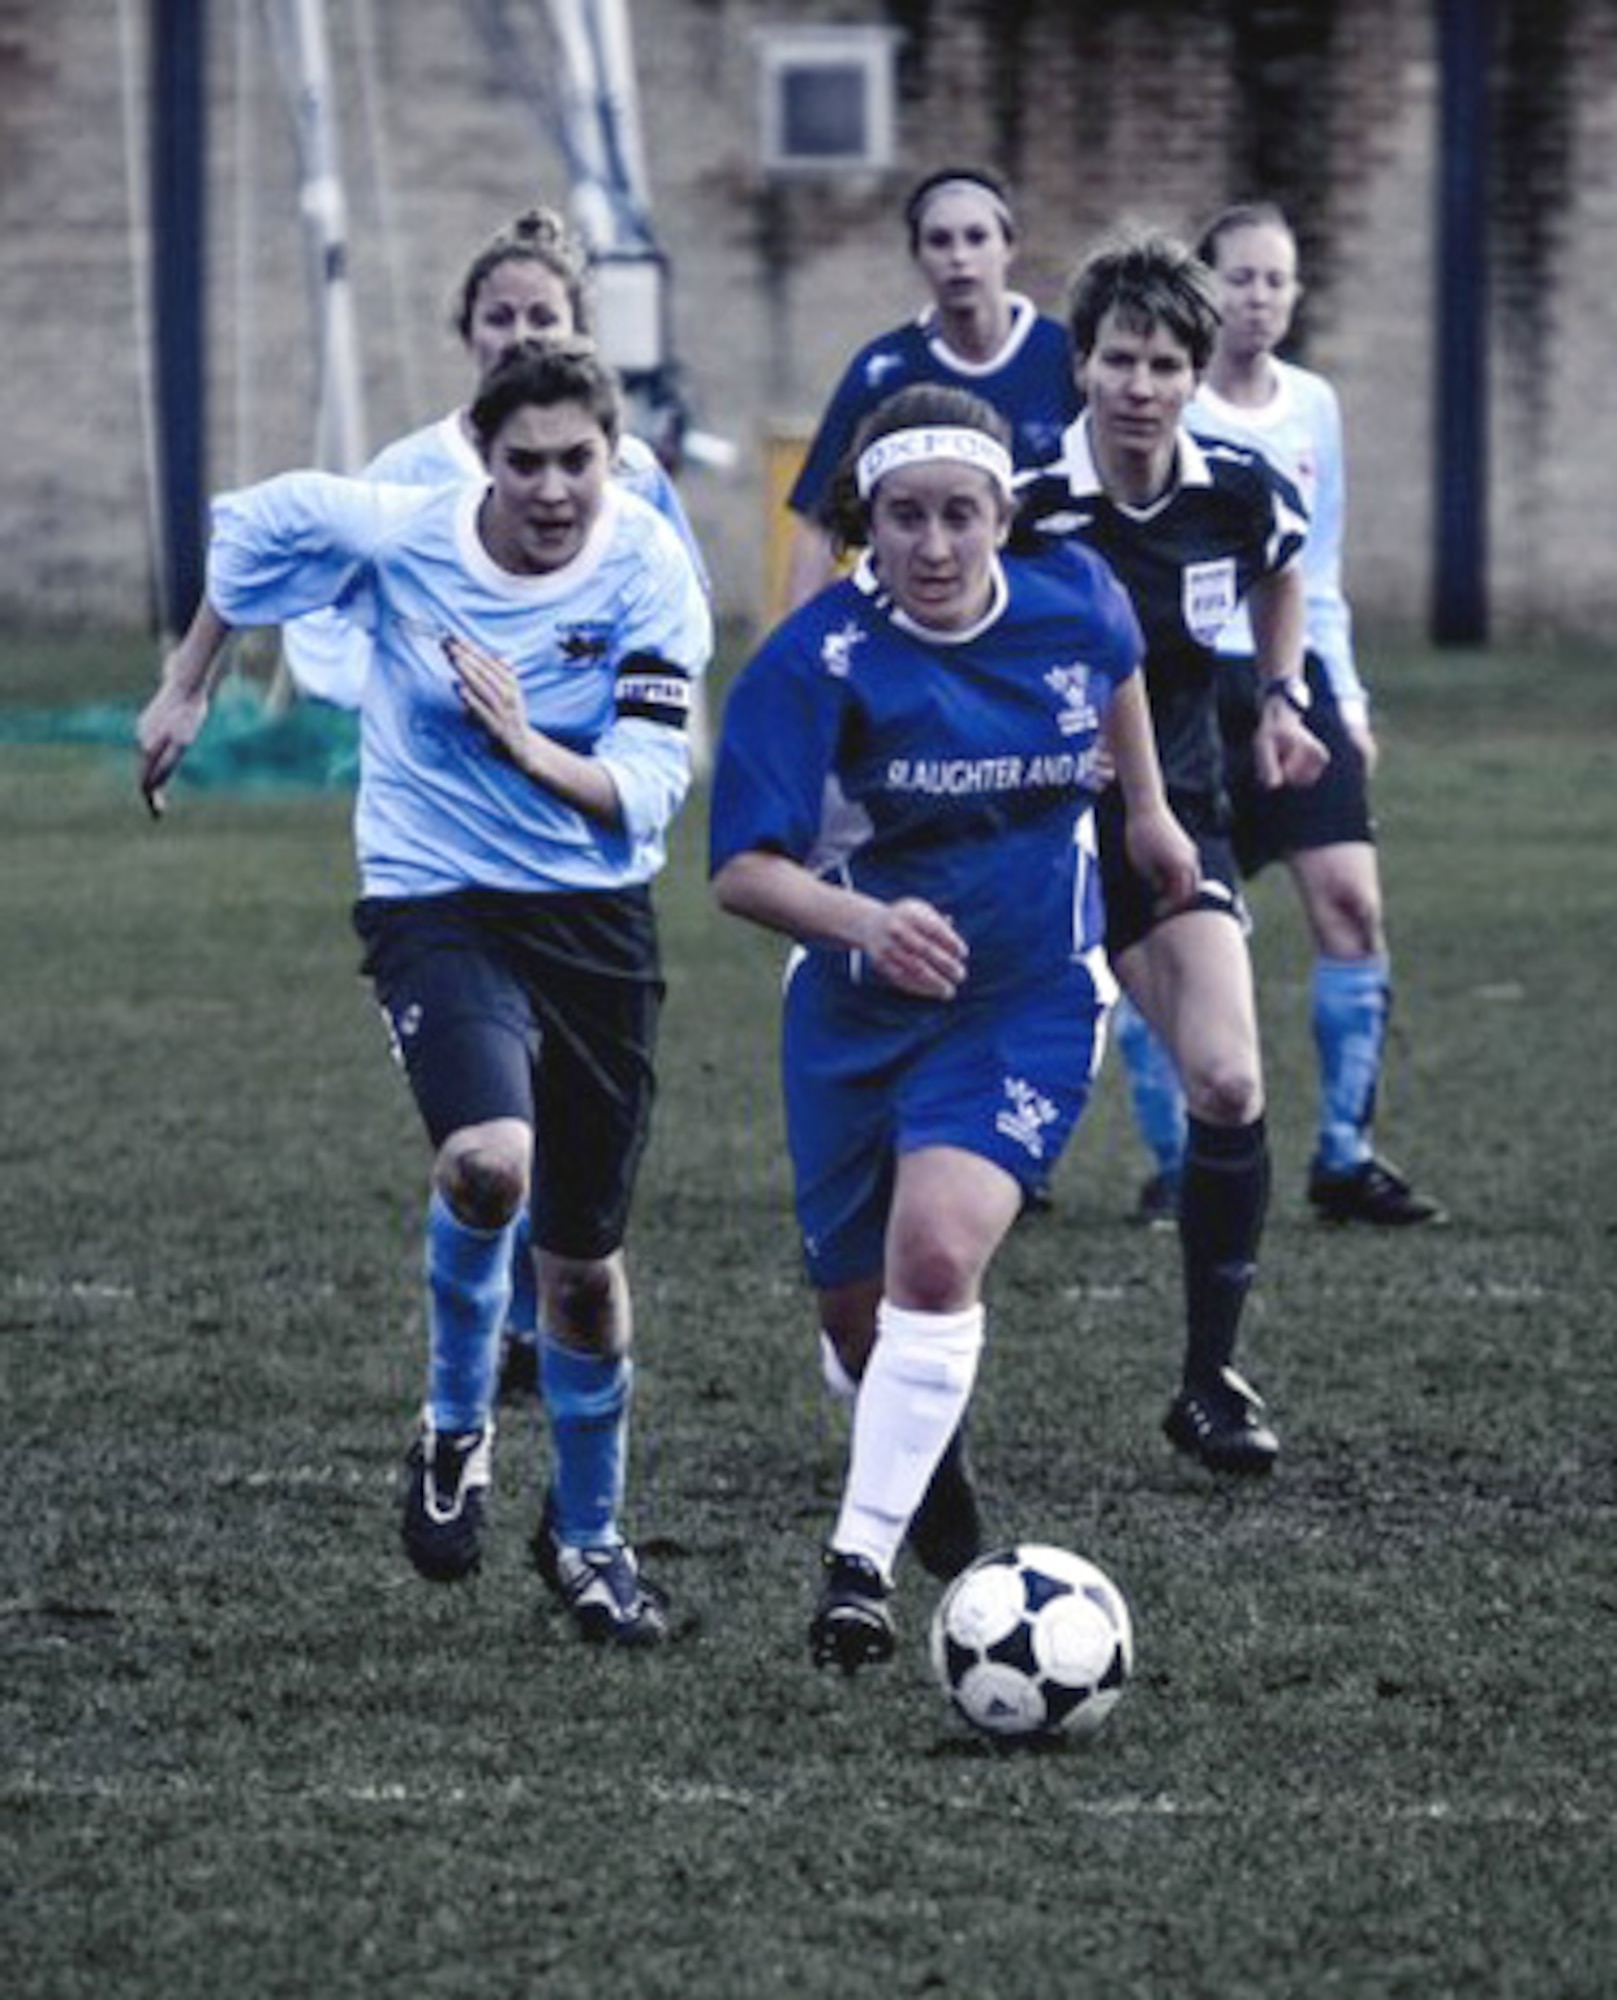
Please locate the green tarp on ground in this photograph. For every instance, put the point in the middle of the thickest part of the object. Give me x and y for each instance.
(248, 743)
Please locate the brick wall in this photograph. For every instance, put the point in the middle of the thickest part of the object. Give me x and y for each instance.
(1158, 111)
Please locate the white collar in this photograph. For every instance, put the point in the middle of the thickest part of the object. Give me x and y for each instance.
(1084, 481)
(1023, 319)
(870, 583)
(541, 585)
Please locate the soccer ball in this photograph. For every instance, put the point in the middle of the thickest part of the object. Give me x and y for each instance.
(1033, 1641)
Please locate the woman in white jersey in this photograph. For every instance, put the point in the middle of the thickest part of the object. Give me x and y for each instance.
(1323, 833)
(528, 282)
(534, 643)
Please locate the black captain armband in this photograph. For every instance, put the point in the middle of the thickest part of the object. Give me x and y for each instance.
(653, 690)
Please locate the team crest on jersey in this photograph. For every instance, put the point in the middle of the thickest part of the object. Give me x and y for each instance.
(1077, 715)
(1026, 1116)
(1209, 597)
(836, 650)
(585, 642)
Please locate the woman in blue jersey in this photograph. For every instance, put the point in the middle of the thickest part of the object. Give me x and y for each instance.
(534, 644)
(903, 786)
(1324, 833)
(1192, 531)
(976, 334)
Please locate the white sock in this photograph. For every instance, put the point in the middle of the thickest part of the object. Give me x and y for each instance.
(841, 1385)
(913, 1395)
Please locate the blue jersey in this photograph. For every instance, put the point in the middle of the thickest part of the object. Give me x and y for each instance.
(1187, 560)
(329, 656)
(956, 768)
(606, 650)
(1029, 381)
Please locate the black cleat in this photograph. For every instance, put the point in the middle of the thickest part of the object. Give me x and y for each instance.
(1158, 1203)
(1223, 1428)
(851, 1627)
(1372, 1192)
(446, 1500)
(946, 1530)
(602, 1590)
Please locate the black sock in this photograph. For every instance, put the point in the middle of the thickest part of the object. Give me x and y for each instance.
(1222, 1202)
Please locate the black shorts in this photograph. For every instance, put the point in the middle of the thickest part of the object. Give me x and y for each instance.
(1268, 825)
(542, 1008)
(1131, 902)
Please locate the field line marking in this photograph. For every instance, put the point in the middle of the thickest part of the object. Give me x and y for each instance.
(30, 1788)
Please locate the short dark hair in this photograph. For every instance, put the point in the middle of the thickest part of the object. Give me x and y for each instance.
(1148, 279)
(562, 371)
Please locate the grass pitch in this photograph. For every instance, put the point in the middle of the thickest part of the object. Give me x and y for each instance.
(1369, 1750)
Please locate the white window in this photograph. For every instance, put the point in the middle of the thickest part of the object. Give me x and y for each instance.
(827, 98)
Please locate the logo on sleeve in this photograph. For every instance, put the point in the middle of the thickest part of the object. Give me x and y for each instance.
(880, 366)
(836, 650)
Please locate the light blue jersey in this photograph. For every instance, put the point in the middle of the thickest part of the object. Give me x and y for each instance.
(329, 656)
(1299, 431)
(607, 650)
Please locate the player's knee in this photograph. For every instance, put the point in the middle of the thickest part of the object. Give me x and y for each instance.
(1225, 1090)
(1345, 912)
(484, 1182)
(584, 1302)
(1359, 916)
(934, 1269)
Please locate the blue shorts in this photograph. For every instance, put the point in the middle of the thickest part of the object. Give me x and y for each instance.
(540, 1008)
(871, 1074)
(1268, 825)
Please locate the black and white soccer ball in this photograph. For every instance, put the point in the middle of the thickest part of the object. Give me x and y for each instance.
(1033, 1641)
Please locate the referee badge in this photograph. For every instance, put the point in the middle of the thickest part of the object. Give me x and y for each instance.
(1208, 597)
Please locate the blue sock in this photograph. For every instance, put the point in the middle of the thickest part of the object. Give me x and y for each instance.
(1159, 1103)
(468, 1288)
(522, 1314)
(1351, 998)
(587, 1401)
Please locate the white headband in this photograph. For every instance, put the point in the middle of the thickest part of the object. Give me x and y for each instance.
(965, 184)
(917, 447)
